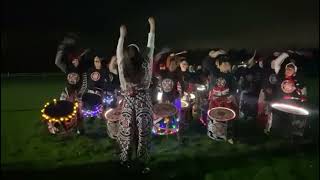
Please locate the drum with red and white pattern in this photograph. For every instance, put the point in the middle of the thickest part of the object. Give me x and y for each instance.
(219, 122)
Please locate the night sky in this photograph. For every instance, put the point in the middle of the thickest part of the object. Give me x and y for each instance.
(31, 30)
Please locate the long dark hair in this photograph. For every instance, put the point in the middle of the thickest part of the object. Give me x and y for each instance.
(132, 65)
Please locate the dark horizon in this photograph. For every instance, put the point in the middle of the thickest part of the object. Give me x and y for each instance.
(32, 31)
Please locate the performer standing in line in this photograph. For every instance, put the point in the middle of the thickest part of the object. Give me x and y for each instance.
(71, 63)
(224, 87)
(290, 90)
(97, 74)
(68, 61)
(268, 92)
(169, 79)
(135, 72)
(210, 65)
(111, 81)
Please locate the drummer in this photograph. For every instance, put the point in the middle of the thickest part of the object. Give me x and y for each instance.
(268, 88)
(292, 90)
(210, 65)
(185, 75)
(169, 80)
(112, 82)
(224, 87)
(250, 78)
(97, 74)
(69, 63)
(298, 90)
(224, 83)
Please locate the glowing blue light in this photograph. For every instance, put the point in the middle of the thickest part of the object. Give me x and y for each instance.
(92, 113)
(107, 100)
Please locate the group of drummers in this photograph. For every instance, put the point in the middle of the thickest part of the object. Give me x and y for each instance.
(216, 91)
(218, 85)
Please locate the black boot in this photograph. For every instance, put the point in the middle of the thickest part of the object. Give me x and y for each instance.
(144, 169)
(125, 164)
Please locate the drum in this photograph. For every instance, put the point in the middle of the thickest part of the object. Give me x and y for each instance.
(112, 117)
(201, 91)
(60, 116)
(92, 104)
(287, 118)
(165, 120)
(219, 123)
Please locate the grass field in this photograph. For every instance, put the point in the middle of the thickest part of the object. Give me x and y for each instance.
(28, 150)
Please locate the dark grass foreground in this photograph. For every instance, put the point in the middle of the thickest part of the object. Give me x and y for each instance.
(29, 152)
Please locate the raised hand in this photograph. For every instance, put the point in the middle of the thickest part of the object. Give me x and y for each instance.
(123, 31)
(152, 24)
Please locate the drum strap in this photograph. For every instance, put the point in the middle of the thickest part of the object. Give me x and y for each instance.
(94, 92)
(66, 90)
(84, 84)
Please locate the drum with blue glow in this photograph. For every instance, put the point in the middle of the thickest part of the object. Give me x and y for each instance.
(109, 101)
(165, 119)
(92, 103)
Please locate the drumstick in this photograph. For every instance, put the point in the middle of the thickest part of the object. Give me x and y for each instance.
(182, 52)
(156, 121)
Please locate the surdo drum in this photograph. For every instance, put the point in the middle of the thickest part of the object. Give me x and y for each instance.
(287, 118)
(219, 122)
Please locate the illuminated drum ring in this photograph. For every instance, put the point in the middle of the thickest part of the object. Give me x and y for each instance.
(217, 119)
(291, 109)
(92, 104)
(63, 117)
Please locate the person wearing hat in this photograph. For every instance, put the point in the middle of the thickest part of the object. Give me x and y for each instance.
(135, 74)
(288, 89)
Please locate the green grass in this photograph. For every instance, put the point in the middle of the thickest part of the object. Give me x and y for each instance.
(26, 145)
